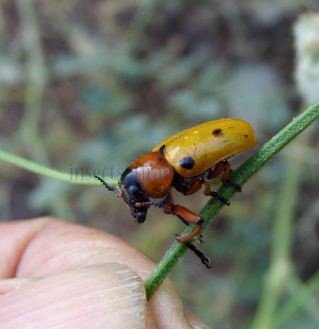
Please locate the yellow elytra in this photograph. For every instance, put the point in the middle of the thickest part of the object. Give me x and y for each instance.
(194, 150)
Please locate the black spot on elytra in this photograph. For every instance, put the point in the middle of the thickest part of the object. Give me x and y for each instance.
(187, 163)
(162, 148)
(246, 136)
(217, 132)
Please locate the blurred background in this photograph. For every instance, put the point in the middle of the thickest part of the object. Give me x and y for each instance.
(86, 86)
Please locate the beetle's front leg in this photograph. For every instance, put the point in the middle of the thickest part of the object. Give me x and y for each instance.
(155, 203)
(184, 214)
(204, 259)
(188, 217)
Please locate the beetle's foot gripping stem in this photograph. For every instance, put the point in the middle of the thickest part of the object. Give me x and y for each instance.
(220, 198)
(204, 259)
(234, 185)
(223, 168)
(214, 194)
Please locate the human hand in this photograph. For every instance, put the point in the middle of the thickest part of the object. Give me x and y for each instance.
(56, 274)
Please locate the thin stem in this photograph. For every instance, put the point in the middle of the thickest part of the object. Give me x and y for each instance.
(298, 300)
(280, 268)
(37, 77)
(72, 177)
(240, 176)
(36, 80)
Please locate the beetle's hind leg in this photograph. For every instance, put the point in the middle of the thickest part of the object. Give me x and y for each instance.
(224, 170)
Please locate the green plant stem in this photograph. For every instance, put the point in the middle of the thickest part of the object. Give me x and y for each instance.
(36, 82)
(280, 268)
(298, 299)
(71, 177)
(240, 176)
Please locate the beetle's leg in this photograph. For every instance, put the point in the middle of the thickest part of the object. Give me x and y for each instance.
(205, 260)
(187, 216)
(155, 203)
(190, 236)
(223, 168)
(214, 194)
(199, 237)
(187, 186)
(184, 214)
(195, 185)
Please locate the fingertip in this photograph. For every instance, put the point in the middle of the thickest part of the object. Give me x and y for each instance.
(101, 296)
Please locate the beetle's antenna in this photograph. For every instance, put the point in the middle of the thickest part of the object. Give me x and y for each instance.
(107, 186)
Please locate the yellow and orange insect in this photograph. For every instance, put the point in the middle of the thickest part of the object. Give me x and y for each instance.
(184, 161)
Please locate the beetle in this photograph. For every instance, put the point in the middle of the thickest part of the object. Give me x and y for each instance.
(184, 161)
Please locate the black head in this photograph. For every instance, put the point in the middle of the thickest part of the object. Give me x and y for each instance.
(132, 193)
